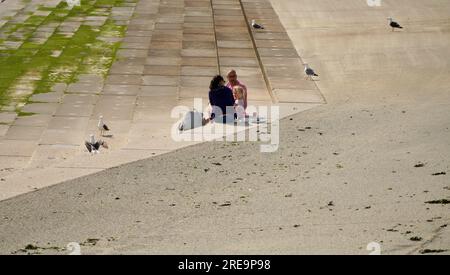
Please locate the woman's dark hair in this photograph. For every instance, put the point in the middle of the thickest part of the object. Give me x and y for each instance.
(215, 82)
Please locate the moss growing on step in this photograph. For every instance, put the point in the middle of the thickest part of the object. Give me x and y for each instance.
(24, 114)
(63, 56)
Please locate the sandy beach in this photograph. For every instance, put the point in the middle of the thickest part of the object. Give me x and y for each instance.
(370, 165)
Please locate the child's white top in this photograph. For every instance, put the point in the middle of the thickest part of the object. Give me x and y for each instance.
(240, 111)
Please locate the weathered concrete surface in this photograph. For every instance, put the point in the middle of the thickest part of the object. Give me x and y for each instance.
(344, 175)
(167, 58)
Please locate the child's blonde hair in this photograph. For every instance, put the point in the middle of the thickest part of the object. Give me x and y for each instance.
(238, 92)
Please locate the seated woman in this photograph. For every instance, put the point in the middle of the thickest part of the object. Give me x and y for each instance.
(221, 100)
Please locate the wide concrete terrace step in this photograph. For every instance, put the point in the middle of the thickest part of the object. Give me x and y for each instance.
(281, 65)
(170, 51)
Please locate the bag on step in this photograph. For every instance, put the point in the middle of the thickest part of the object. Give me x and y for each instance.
(191, 120)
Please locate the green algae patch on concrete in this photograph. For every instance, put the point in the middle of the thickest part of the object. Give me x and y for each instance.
(57, 48)
(24, 114)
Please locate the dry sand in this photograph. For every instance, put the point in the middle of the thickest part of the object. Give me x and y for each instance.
(345, 174)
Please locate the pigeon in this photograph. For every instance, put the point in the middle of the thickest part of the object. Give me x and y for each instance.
(102, 127)
(256, 25)
(394, 25)
(93, 146)
(309, 72)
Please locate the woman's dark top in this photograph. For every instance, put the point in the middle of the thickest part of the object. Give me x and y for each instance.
(221, 98)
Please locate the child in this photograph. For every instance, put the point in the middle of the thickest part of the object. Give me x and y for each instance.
(238, 93)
